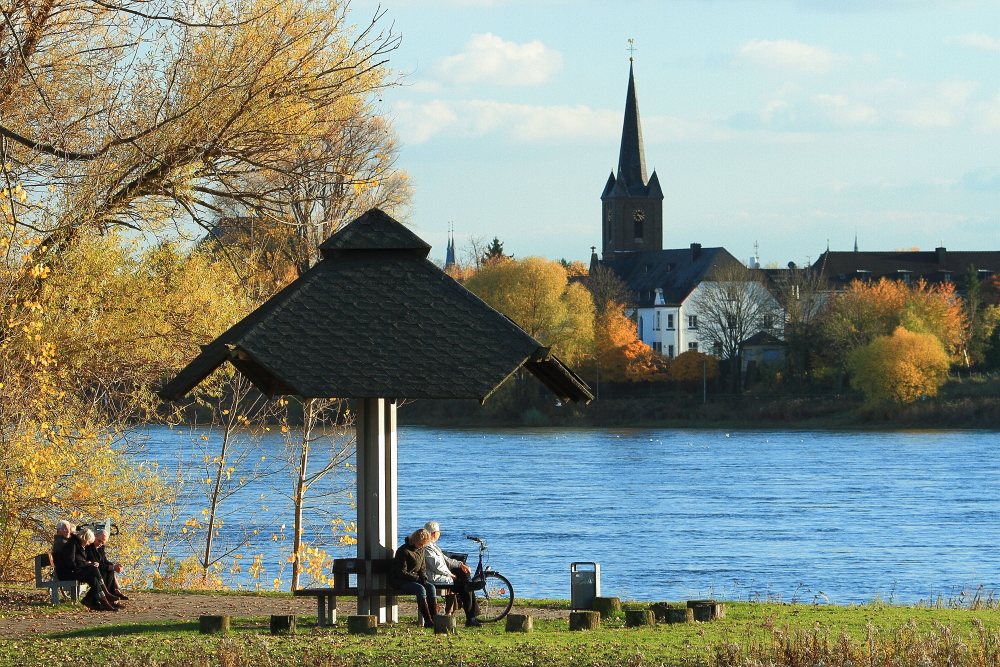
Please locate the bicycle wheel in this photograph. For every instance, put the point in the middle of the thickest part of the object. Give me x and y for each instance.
(496, 599)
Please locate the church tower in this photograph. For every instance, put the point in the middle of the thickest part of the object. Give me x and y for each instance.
(632, 206)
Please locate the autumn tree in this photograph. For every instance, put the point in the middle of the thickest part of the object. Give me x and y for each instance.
(536, 294)
(693, 365)
(139, 114)
(619, 356)
(899, 368)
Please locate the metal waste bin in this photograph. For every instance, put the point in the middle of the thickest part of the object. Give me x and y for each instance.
(585, 585)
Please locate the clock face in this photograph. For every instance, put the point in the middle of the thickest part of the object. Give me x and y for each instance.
(639, 215)
(608, 216)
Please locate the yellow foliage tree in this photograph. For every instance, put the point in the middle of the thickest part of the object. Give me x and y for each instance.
(621, 356)
(536, 294)
(899, 368)
(693, 365)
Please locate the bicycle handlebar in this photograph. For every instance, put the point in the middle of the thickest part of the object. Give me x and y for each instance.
(474, 539)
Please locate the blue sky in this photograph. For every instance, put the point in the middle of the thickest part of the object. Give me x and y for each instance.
(784, 123)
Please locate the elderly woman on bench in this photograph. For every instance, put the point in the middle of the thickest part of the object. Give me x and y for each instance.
(409, 573)
(72, 564)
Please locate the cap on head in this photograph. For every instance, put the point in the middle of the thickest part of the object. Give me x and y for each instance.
(432, 527)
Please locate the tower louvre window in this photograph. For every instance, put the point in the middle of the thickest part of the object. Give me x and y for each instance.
(637, 220)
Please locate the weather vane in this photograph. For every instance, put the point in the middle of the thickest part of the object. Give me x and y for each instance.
(631, 50)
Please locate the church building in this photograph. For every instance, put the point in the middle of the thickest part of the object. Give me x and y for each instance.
(661, 281)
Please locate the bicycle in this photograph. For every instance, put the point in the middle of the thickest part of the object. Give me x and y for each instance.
(496, 597)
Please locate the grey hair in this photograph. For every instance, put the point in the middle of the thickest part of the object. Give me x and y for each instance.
(432, 527)
(86, 536)
(63, 524)
(99, 532)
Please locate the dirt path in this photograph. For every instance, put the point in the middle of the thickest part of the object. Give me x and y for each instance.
(35, 617)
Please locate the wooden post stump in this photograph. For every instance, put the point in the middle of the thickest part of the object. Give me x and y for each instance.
(707, 610)
(661, 610)
(635, 618)
(607, 606)
(362, 625)
(445, 624)
(283, 625)
(682, 615)
(519, 623)
(584, 620)
(210, 625)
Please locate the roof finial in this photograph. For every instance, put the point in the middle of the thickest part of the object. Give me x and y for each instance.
(855, 241)
(631, 50)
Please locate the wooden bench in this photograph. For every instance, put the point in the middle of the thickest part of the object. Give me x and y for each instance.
(365, 571)
(74, 588)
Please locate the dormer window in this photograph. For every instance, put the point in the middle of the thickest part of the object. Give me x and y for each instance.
(905, 275)
(946, 276)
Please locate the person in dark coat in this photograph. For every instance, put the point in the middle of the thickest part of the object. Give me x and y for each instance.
(64, 529)
(96, 553)
(72, 564)
(408, 573)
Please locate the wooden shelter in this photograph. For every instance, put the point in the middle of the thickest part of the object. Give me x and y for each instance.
(376, 321)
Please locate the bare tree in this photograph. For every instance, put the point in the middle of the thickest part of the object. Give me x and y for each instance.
(607, 290)
(473, 250)
(731, 306)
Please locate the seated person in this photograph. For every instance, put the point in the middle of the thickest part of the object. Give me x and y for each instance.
(72, 565)
(444, 570)
(96, 553)
(64, 529)
(408, 574)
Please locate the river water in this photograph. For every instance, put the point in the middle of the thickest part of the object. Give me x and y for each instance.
(672, 514)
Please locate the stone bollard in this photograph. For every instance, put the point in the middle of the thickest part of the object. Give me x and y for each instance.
(362, 625)
(607, 606)
(445, 624)
(519, 623)
(282, 625)
(707, 610)
(682, 615)
(212, 625)
(635, 618)
(584, 620)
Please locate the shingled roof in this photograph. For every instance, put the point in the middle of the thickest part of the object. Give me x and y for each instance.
(376, 319)
(676, 271)
(839, 269)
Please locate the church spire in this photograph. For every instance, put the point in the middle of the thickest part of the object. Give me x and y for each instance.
(632, 157)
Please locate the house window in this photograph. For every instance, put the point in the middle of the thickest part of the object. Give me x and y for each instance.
(670, 321)
(658, 347)
(640, 328)
(692, 346)
(905, 275)
(692, 321)
(657, 320)
(769, 321)
(771, 355)
(670, 351)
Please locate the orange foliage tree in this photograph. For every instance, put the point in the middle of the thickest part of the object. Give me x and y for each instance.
(899, 368)
(620, 355)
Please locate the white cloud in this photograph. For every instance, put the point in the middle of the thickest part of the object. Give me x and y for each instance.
(975, 40)
(488, 58)
(844, 112)
(788, 55)
(942, 105)
(524, 122)
(986, 115)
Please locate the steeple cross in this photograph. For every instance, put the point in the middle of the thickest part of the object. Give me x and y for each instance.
(631, 50)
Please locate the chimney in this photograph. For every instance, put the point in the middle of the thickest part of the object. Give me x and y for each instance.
(695, 251)
(942, 256)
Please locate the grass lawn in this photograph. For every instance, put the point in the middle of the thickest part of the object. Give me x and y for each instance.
(751, 634)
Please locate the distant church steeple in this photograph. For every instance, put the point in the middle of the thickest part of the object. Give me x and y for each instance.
(449, 259)
(632, 206)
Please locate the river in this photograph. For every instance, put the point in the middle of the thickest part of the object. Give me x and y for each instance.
(675, 514)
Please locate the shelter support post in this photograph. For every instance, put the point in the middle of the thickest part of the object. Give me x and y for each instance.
(376, 500)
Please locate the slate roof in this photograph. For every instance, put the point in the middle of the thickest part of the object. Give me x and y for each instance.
(840, 268)
(676, 271)
(376, 319)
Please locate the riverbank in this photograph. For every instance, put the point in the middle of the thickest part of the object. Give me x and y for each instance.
(874, 634)
(962, 404)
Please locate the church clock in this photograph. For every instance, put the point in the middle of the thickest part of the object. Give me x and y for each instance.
(637, 219)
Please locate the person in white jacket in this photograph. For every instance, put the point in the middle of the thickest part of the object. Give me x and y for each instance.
(449, 571)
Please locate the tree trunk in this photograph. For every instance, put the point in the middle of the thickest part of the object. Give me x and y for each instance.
(214, 503)
(584, 620)
(308, 418)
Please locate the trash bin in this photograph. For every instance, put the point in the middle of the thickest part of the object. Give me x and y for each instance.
(585, 585)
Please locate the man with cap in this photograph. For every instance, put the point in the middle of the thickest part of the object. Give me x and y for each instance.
(444, 570)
